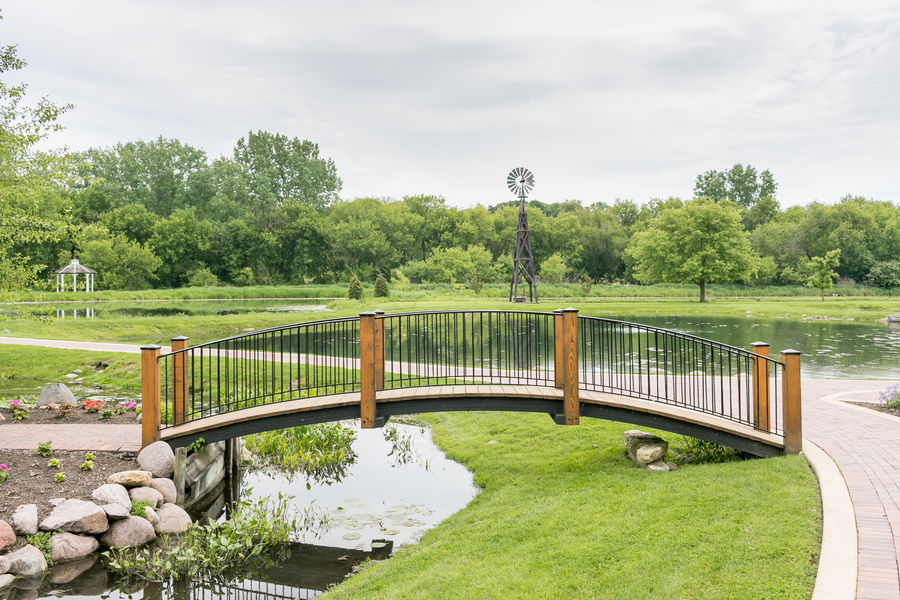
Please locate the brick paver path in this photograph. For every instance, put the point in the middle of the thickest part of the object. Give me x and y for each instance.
(865, 445)
(105, 438)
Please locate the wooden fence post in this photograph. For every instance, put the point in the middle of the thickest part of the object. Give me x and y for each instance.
(379, 349)
(179, 379)
(571, 405)
(367, 370)
(761, 418)
(793, 417)
(149, 394)
(558, 359)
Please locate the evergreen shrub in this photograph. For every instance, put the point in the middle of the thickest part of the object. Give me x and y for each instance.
(355, 292)
(381, 286)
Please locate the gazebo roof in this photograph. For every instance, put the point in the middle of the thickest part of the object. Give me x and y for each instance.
(75, 268)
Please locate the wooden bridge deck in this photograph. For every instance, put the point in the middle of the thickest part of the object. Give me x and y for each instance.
(519, 398)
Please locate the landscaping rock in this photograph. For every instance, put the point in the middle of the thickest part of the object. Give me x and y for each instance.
(4, 565)
(172, 519)
(645, 448)
(6, 581)
(93, 582)
(131, 479)
(137, 417)
(68, 546)
(54, 502)
(147, 493)
(112, 493)
(56, 393)
(133, 531)
(658, 466)
(159, 459)
(7, 536)
(116, 512)
(151, 516)
(27, 562)
(25, 520)
(166, 487)
(69, 570)
(76, 516)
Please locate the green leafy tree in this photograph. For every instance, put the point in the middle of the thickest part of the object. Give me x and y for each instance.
(132, 220)
(121, 264)
(24, 172)
(455, 265)
(355, 291)
(381, 286)
(182, 242)
(822, 274)
(885, 274)
(700, 243)
(553, 270)
(745, 186)
(202, 277)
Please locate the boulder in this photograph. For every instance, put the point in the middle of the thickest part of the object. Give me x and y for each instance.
(172, 519)
(56, 393)
(166, 487)
(659, 466)
(645, 448)
(76, 516)
(25, 520)
(7, 536)
(147, 493)
(6, 581)
(131, 479)
(133, 531)
(27, 562)
(116, 512)
(68, 546)
(151, 515)
(69, 570)
(55, 501)
(4, 565)
(159, 459)
(112, 493)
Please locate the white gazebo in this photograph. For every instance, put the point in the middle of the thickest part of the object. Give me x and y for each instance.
(75, 269)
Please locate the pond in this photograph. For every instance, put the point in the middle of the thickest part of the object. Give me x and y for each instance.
(174, 308)
(399, 486)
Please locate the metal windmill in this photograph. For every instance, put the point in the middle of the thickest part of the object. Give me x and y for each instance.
(521, 181)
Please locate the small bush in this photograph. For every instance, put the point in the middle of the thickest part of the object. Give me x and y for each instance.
(695, 451)
(355, 291)
(54, 463)
(202, 278)
(890, 397)
(60, 477)
(587, 283)
(381, 286)
(87, 465)
(44, 448)
(138, 506)
(41, 541)
(475, 281)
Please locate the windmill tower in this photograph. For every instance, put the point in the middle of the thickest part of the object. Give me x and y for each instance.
(521, 181)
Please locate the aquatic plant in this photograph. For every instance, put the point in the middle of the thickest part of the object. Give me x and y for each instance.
(254, 529)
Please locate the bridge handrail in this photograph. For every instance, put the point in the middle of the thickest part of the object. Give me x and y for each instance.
(461, 347)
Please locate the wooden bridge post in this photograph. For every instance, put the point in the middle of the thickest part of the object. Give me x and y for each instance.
(558, 359)
(367, 370)
(793, 418)
(179, 380)
(149, 394)
(571, 406)
(379, 349)
(761, 418)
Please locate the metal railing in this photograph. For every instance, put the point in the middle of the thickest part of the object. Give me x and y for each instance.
(377, 351)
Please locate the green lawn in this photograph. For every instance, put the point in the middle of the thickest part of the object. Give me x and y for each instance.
(564, 514)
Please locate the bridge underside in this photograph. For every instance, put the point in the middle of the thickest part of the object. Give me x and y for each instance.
(612, 407)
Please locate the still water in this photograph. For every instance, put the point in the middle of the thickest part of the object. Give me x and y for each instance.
(175, 308)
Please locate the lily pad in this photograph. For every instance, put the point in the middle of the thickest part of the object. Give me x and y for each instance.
(376, 545)
(391, 531)
(351, 536)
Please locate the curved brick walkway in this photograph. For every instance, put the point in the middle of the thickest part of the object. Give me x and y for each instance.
(864, 444)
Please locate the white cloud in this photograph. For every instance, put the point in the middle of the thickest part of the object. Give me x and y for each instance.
(600, 100)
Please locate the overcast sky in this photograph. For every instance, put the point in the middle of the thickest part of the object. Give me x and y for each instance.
(601, 100)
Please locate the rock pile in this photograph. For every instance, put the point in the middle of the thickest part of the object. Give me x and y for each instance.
(83, 526)
(648, 450)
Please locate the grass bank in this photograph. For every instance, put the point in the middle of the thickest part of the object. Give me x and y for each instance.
(564, 514)
(104, 369)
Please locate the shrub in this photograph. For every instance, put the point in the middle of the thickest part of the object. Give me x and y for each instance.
(890, 397)
(399, 280)
(355, 291)
(476, 281)
(885, 274)
(44, 448)
(695, 451)
(202, 278)
(587, 283)
(244, 277)
(381, 286)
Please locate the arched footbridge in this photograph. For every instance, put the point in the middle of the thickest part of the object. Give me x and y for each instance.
(378, 365)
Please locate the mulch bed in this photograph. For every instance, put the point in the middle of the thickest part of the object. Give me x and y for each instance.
(73, 416)
(31, 481)
(878, 407)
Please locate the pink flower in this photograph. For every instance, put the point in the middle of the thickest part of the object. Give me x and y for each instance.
(3, 467)
(15, 402)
